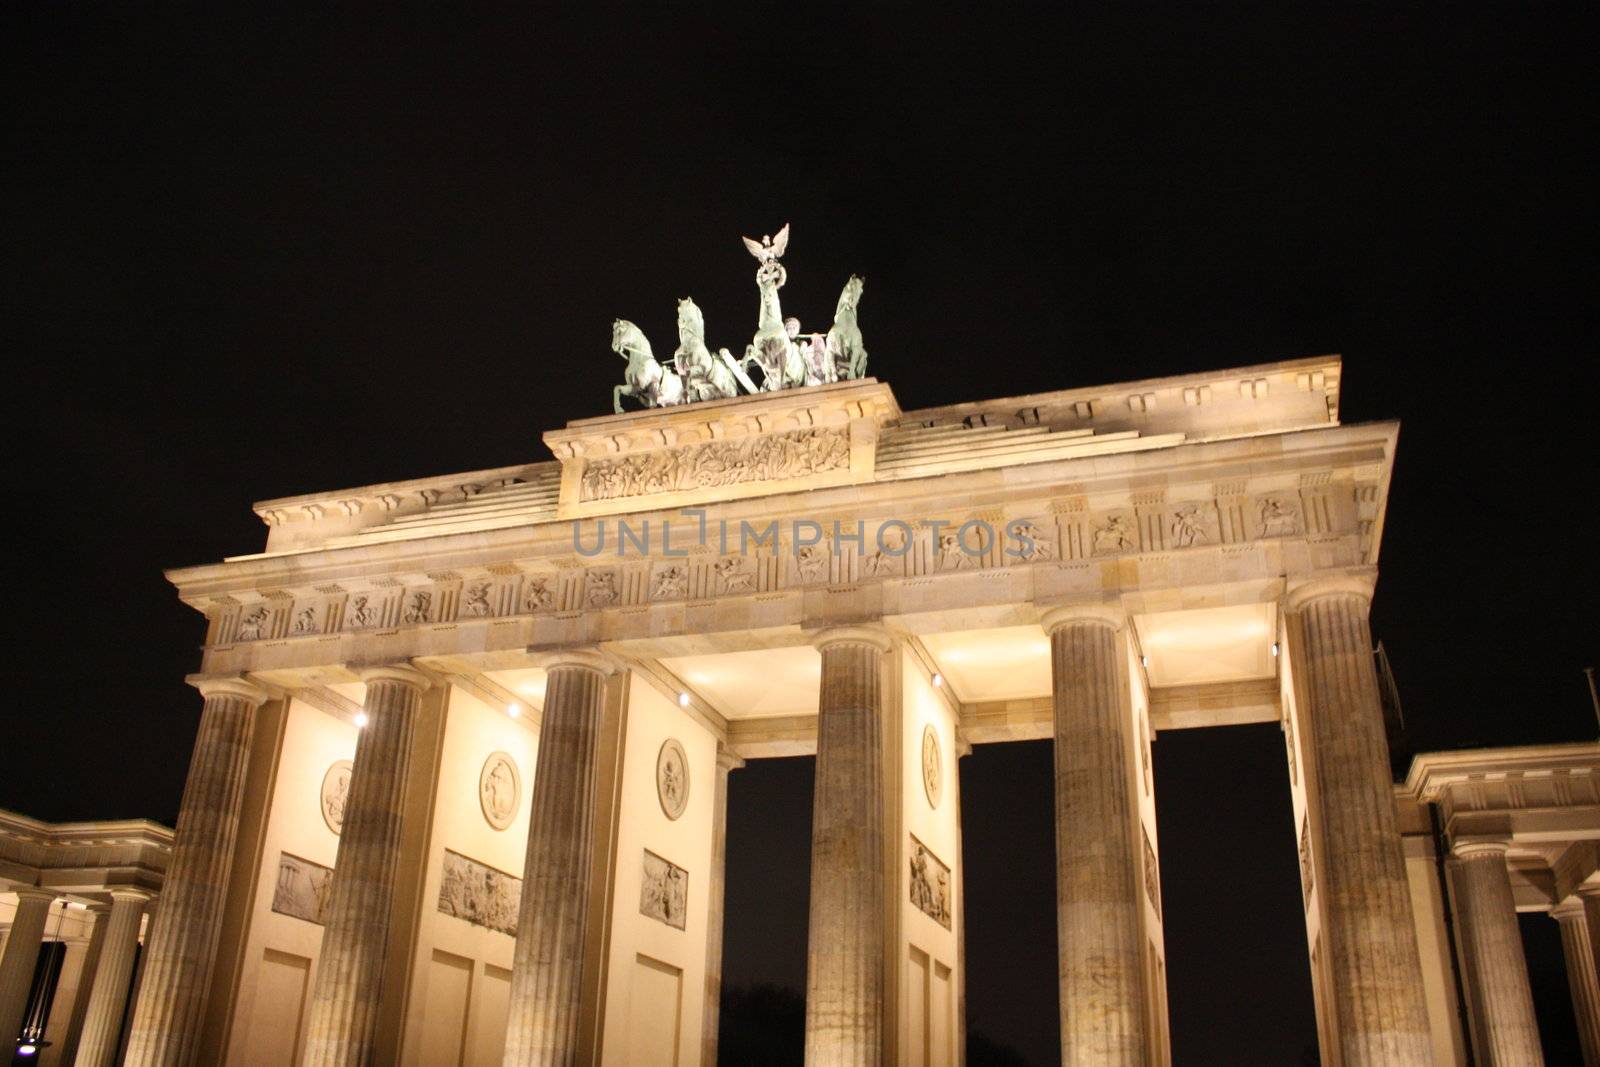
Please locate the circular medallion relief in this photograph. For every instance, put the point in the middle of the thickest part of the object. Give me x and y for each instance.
(932, 766)
(335, 791)
(499, 789)
(672, 778)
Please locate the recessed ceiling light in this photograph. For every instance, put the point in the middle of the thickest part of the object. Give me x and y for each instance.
(938, 679)
(1274, 648)
(1144, 661)
(514, 710)
(361, 719)
(683, 700)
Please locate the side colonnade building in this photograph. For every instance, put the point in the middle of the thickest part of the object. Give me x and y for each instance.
(460, 786)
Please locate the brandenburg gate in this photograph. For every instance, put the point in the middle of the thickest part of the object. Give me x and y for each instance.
(459, 790)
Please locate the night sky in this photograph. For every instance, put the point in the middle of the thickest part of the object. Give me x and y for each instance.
(250, 255)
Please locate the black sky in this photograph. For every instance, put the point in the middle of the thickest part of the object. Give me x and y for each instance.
(251, 253)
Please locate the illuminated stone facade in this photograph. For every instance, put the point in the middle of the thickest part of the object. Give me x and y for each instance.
(530, 684)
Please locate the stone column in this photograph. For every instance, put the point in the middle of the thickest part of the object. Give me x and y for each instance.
(547, 967)
(1369, 937)
(182, 946)
(1582, 979)
(844, 957)
(1504, 1030)
(726, 761)
(1589, 896)
(17, 963)
(1100, 943)
(355, 940)
(108, 995)
(83, 982)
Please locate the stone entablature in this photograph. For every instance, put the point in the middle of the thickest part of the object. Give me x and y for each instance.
(1539, 803)
(1144, 539)
(83, 858)
(602, 462)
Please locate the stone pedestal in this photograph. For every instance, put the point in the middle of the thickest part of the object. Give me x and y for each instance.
(1582, 979)
(183, 942)
(1100, 945)
(108, 993)
(716, 891)
(844, 960)
(1368, 937)
(21, 954)
(1504, 1030)
(547, 969)
(344, 1000)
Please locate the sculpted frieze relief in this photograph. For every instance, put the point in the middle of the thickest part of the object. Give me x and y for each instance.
(1152, 876)
(476, 600)
(479, 894)
(930, 884)
(664, 891)
(418, 607)
(538, 594)
(775, 557)
(303, 888)
(711, 464)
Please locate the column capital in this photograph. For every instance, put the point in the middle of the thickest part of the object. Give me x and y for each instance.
(132, 893)
(1472, 850)
(1101, 612)
(404, 673)
(870, 633)
(581, 657)
(1349, 581)
(34, 893)
(1567, 910)
(229, 685)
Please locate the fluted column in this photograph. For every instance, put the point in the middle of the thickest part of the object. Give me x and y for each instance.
(1582, 979)
(108, 994)
(1100, 945)
(552, 920)
(1589, 896)
(355, 941)
(716, 892)
(1504, 1030)
(844, 958)
(1371, 942)
(17, 963)
(182, 946)
(88, 963)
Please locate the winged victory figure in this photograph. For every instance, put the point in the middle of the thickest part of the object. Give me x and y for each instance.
(768, 248)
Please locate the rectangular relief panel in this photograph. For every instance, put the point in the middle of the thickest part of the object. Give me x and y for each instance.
(930, 884)
(664, 891)
(479, 894)
(655, 1008)
(444, 1021)
(302, 889)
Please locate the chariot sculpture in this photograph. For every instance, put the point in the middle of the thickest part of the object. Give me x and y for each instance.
(784, 357)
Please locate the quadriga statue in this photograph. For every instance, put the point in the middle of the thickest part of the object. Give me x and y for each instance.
(848, 351)
(647, 380)
(705, 377)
